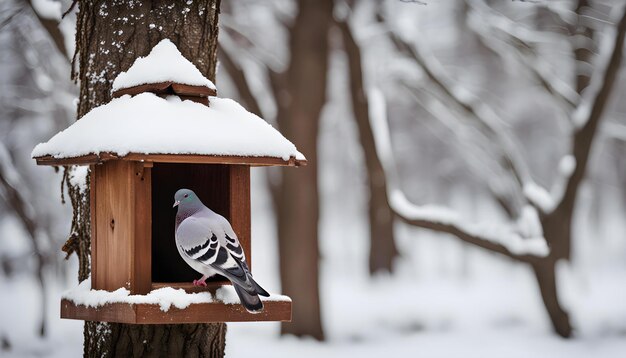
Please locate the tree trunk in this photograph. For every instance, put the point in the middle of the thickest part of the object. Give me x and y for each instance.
(168, 340)
(546, 278)
(109, 37)
(301, 96)
(382, 245)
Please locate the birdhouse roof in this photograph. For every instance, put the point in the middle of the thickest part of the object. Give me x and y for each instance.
(164, 63)
(152, 128)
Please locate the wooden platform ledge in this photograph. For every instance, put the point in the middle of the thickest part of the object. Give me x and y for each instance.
(194, 313)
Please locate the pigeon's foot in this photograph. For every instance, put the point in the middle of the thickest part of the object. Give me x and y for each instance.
(200, 282)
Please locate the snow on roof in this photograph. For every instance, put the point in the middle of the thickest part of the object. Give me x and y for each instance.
(149, 124)
(165, 297)
(164, 63)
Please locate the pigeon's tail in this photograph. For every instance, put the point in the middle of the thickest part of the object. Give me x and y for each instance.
(251, 302)
(259, 290)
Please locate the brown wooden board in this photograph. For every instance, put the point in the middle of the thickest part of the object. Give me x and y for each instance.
(113, 248)
(195, 91)
(94, 222)
(194, 313)
(167, 88)
(211, 286)
(170, 158)
(240, 207)
(141, 274)
(201, 100)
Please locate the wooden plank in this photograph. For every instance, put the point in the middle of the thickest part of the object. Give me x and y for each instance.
(195, 91)
(114, 248)
(167, 87)
(194, 313)
(213, 312)
(94, 223)
(159, 87)
(115, 312)
(211, 286)
(201, 100)
(82, 160)
(171, 158)
(239, 207)
(141, 281)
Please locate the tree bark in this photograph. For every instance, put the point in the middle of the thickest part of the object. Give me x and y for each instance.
(110, 36)
(169, 340)
(546, 279)
(301, 95)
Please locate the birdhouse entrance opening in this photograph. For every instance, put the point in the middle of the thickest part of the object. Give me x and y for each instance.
(221, 187)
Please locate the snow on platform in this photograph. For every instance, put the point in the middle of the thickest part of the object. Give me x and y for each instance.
(167, 305)
(165, 297)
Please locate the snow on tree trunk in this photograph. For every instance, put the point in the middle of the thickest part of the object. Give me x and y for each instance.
(109, 37)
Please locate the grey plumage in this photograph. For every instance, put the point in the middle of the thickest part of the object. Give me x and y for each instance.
(207, 243)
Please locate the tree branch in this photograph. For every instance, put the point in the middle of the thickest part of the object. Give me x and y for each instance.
(478, 158)
(13, 194)
(510, 157)
(501, 240)
(492, 24)
(238, 76)
(51, 26)
(589, 113)
(452, 228)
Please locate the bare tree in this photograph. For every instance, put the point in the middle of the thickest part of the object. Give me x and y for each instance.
(542, 234)
(29, 64)
(300, 94)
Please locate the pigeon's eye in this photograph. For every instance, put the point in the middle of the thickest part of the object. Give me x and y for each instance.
(186, 195)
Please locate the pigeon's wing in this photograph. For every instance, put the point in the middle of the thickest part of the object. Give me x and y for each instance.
(231, 241)
(195, 238)
(203, 241)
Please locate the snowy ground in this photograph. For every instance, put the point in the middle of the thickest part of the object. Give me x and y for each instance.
(446, 300)
(494, 317)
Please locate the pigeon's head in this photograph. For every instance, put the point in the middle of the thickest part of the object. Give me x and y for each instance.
(185, 198)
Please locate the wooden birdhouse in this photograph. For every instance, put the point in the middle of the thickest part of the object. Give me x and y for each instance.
(165, 129)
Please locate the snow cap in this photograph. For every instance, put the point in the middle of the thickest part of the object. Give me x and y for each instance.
(149, 124)
(164, 63)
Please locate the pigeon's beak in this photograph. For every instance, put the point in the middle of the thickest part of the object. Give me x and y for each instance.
(176, 203)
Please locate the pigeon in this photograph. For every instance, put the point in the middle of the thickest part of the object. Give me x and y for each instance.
(207, 243)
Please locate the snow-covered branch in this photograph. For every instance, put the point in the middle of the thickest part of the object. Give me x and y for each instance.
(13, 192)
(482, 116)
(507, 38)
(614, 130)
(475, 148)
(522, 241)
(49, 15)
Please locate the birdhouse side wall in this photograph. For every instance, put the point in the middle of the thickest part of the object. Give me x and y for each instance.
(121, 227)
(240, 218)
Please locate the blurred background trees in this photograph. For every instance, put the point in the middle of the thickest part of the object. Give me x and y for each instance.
(508, 116)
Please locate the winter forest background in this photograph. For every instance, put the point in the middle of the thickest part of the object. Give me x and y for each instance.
(503, 120)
